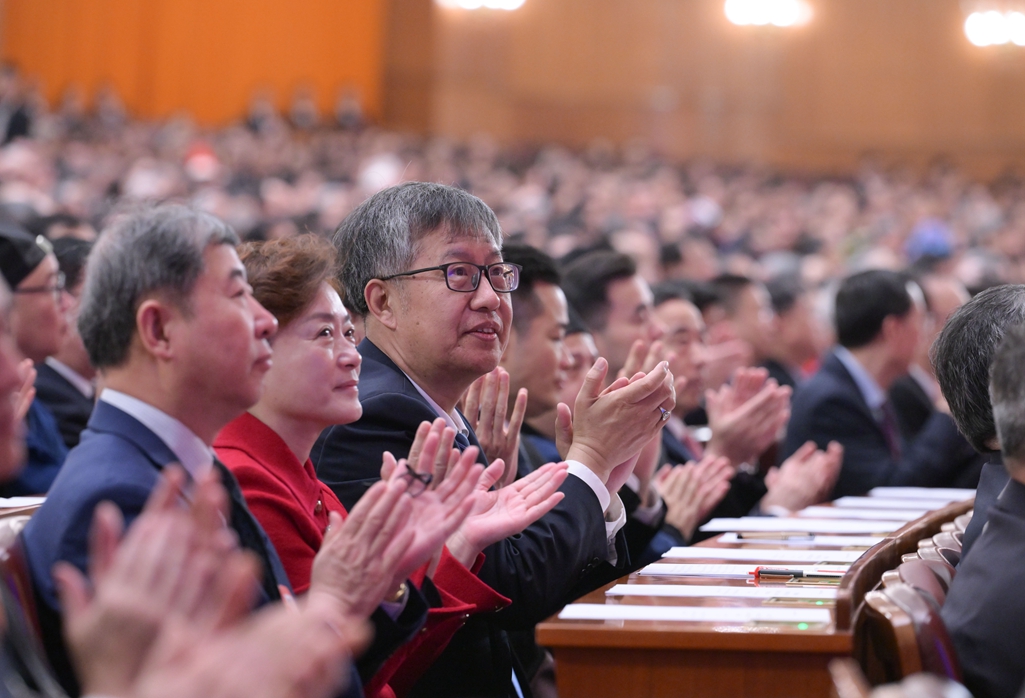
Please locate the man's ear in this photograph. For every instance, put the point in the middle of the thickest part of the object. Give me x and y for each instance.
(152, 324)
(381, 303)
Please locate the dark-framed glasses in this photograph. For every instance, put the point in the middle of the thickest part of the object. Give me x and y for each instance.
(416, 483)
(464, 277)
(56, 288)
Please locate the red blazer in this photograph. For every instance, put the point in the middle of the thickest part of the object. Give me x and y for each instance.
(292, 505)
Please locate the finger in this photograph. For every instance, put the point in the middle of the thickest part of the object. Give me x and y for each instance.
(72, 590)
(443, 458)
(519, 412)
(488, 399)
(428, 454)
(388, 465)
(104, 536)
(357, 515)
(471, 402)
(441, 471)
(422, 432)
(563, 428)
(501, 407)
(168, 489)
(491, 475)
(592, 381)
(655, 354)
(634, 359)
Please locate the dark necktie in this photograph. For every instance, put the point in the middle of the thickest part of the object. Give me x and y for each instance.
(888, 423)
(251, 536)
(462, 442)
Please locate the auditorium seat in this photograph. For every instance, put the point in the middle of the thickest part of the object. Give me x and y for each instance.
(961, 522)
(918, 574)
(848, 679)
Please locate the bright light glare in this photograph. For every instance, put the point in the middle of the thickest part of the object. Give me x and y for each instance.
(478, 4)
(994, 28)
(780, 13)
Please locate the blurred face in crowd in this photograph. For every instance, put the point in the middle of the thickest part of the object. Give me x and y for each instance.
(684, 336)
(315, 375)
(582, 355)
(12, 448)
(630, 317)
(906, 331)
(221, 340)
(72, 351)
(800, 332)
(38, 319)
(946, 294)
(754, 321)
(537, 358)
(446, 339)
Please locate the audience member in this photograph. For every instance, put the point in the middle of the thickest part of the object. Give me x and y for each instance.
(65, 382)
(800, 336)
(747, 316)
(961, 356)
(39, 325)
(414, 262)
(878, 325)
(984, 606)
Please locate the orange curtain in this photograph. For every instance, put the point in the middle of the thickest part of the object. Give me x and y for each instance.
(206, 57)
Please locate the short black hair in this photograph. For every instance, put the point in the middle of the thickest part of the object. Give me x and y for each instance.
(537, 267)
(1007, 392)
(71, 254)
(963, 352)
(784, 290)
(671, 291)
(586, 281)
(729, 288)
(865, 300)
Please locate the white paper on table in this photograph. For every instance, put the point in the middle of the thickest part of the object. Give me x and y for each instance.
(723, 592)
(807, 541)
(18, 502)
(762, 555)
(955, 493)
(891, 503)
(799, 525)
(902, 515)
(712, 614)
(661, 569)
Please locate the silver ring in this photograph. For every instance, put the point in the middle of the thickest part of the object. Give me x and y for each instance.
(665, 413)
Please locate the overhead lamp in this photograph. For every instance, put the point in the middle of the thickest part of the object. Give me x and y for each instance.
(778, 13)
(508, 5)
(994, 28)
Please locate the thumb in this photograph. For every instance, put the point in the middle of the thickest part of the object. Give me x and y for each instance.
(593, 380)
(491, 475)
(563, 428)
(72, 589)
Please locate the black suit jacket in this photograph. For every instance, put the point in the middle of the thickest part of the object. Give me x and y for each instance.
(829, 407)
(991, 483)
(69, 406)
(985, 608)
(912, 405)
(554, 561)
(780, 372)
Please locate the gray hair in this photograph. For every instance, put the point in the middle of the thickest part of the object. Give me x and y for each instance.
(154, 249)
(1007, 393)
(383, 235)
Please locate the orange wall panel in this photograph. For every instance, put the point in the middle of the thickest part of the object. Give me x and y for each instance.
(203, 56)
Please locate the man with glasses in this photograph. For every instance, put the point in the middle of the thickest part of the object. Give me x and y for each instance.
(422, 263)
(38, 324)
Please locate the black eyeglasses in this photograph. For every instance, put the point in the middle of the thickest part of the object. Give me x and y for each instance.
(56, 288)
(416, 483)
(464, 277)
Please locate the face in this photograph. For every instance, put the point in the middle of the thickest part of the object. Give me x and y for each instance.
(315, 376)
(630, 317)
(582, 355)
(537, 359)
(38, 319)
(685, 330)
(800, 330)
(754, 320)
(221, 346)
(907, 334)
(12, 445)
(445, 337)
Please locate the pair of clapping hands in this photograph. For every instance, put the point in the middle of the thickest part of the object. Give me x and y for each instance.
(435, 497)
(167, 613)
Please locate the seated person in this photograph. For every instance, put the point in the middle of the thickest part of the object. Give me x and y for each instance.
(984, 607)
(314, 383)
(878, 322)
(183, 350)
(961, 358)
(65, 381)
(38, 324)
(422, 263)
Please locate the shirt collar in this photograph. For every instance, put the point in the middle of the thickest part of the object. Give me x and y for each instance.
(81, 384)
(452, 419)
(874, 395)
(195, 456)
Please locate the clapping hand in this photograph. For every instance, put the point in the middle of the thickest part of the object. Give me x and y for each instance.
(745, 417)
(485, 404)
(692, 491)
(805, 478)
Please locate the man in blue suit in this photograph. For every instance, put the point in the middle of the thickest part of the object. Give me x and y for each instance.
(422, 264)
(878, 322)
(168, 318)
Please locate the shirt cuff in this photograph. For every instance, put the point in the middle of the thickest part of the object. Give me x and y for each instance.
(394, 609)
(615, 519)
(593, 481)
(647, 515)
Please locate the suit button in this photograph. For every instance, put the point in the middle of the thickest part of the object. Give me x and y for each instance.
(319, 508)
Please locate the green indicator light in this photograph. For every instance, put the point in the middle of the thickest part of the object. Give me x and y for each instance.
(819, 603)
(802, 626)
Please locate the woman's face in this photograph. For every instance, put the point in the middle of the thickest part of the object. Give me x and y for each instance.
(315, 373)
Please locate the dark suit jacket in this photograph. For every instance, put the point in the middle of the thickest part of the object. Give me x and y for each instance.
(985, 607)
(912, 405)
(120, 460)
(554, 561)
(780, 372)
(69, 406)
(991, 483)
(829, 407)
(46, 453)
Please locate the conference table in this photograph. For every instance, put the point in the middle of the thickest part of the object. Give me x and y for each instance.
(775, 644)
